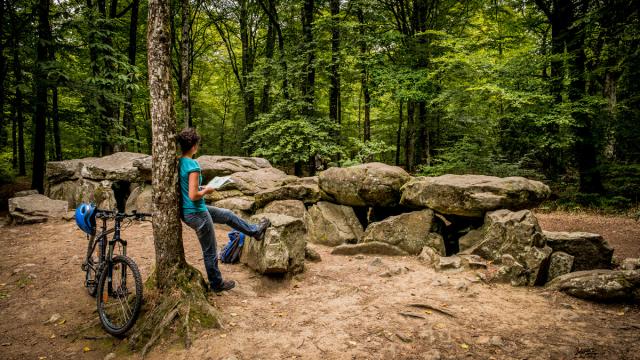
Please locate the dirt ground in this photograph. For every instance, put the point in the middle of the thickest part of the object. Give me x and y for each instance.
(339, 308)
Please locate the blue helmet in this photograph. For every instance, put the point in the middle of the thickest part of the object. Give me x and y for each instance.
(85, 217)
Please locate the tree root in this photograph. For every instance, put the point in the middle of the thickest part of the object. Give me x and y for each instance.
(183, 308)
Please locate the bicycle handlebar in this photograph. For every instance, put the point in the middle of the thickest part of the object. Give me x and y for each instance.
(107, 214)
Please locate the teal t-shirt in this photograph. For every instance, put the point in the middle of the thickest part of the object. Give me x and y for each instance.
(188, 166)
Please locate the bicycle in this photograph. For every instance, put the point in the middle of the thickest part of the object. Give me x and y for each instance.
(107, 274)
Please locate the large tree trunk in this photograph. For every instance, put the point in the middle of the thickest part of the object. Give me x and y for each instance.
(364, 79)
(185, 73)
(247, 64)
(399, 134)
(409, 144)
(39, 116)
(128, 117)
(55, 116)
(308, 82)
(180, 287)
(269, 47)
(334, 87)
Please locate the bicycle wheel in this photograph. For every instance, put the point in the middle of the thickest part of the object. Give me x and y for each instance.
(119, 301)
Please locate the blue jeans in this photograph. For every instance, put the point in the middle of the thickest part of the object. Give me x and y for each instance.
(202, 223)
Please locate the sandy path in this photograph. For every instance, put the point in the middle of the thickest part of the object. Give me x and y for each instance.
(339, 308)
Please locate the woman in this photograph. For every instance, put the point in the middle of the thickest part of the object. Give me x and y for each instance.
(201, 217)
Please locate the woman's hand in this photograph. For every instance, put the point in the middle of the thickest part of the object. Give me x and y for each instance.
(208, 190)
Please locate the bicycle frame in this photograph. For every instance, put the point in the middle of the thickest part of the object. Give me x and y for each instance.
(105, 254)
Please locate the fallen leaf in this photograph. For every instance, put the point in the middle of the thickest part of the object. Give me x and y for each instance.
(464, 346)
(233, 314)
(428, 312)
(621, 313)
(223, 335)
(86, 349)
(53, 336)
(61, 322)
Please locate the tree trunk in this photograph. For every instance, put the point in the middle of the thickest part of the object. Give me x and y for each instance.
(3, 75)
(40, 100)
(364, 79)
(128, 117)
(409, 144)
(247, 64)
(334, 87)
(55, 116)
(185, 49)
(308, 83)
(265, 100)
(399, 134)
(167, 229)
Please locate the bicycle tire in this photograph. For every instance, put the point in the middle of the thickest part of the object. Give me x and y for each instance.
(119, 265)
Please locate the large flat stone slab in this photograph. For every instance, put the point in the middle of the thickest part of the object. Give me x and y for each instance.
(473, 195)
(331, 224)
(600, 285)
(36, 208)
(590, 251)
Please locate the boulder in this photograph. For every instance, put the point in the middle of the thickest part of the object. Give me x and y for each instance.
(283, 248)
(410, 232)
(83, 190)
(140, 199)
(293, 208)
(372, 184)
(213, 165)
(448, 263)
(302, 189)
(65, 190)
(242, 203)
(429, 255)
(25, 193)
(254, 181)
(311, 254)
(590, 251)
(373, 247)
(473, 262)
(59, 171)
(36, 208)
(600, 285)
(511, 271)
(330, 224)
(517, 234)
(630, 264)
(144, 167)
(473, 195)
(114, 167)
(222, 194)
(560, 263)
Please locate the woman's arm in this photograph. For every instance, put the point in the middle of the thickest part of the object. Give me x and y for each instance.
(194, 193)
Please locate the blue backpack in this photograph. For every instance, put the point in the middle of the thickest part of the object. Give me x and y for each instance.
(230, 253)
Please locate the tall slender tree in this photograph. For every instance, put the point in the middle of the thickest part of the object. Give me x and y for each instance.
(40, 100)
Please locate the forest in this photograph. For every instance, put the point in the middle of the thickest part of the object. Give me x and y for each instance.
(546, 89)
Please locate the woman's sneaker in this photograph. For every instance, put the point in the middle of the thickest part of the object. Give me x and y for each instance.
(262, 228)
(226, 285)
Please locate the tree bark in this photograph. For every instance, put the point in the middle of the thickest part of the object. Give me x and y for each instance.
(40, 100)
(185, 73)
(399, 134)
(334, 87)
(128, 117)
(265, 99)
(308, 83)
(55, 115)
(167, 229)
(364, 79)
(409, 144)
(247, 64)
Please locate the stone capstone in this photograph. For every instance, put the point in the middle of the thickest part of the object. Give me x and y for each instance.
(517, 234)
(36, 208)
(410, 232)
(560, 263)
(371, 248)
(371, 184)
(59, 171)
(293, 208)
(303, 189)
(254, 181)
(283, 248)
(473, 195)
(117, 166)
(590, 251)
(600, 285)
(242, 203)
(330, 224)
(213, 165)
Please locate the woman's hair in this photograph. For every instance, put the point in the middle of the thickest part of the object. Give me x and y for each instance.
(187, 138)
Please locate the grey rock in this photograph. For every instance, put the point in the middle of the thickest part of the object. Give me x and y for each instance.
(283, 248)
(560, 263)
(511, 271)
(590, 251)
(58, 171)
(221, 195)
(332, 225)
(372, 184)
(311, 254)
(429, 255)
(600, 285)
(469, 239)
(293, 208)
(473, 262)
(517, 234)
(36, 208)
(306, 191)
(254, 181)
(117, 166)
(140, 199)
(373, 247)
(448, 263)
(473, 195)
(242, 203)
(630, 264)
(410, 232)
(110, 356)
(213, 165)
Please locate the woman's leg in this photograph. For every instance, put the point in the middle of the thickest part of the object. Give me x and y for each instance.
(227, 217)
(203, 225)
